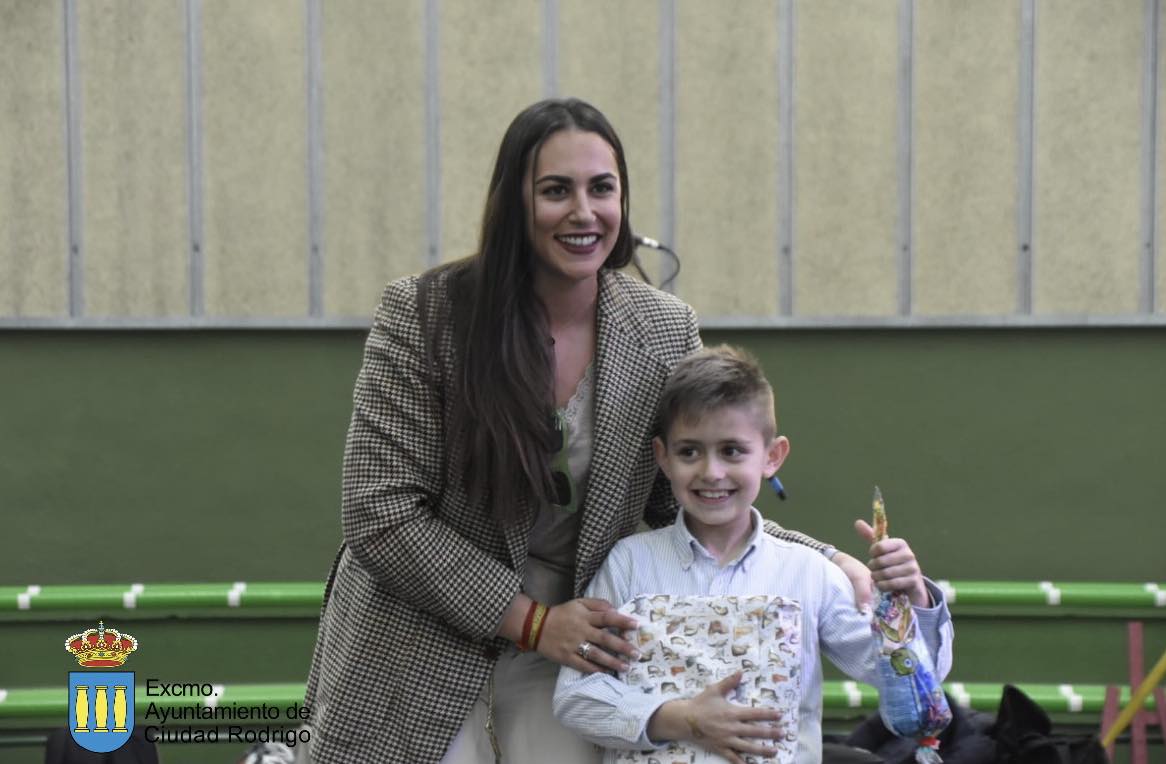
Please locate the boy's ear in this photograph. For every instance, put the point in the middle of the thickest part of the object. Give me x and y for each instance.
(661, 451)
(778, 451)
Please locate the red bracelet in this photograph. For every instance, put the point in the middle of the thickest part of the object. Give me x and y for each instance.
(527, 624)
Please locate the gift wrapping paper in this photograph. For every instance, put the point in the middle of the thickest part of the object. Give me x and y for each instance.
(689, 642)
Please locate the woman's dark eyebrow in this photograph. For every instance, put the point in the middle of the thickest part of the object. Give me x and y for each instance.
(566, 180)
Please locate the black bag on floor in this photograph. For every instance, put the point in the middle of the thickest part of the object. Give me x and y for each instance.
(964, 741)
(1023, 734)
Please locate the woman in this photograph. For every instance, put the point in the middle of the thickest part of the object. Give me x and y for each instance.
(499, 446)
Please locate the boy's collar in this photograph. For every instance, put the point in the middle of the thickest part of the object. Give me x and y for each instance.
(687, 544)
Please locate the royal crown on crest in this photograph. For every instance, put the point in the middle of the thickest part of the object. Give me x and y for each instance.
(101, 647)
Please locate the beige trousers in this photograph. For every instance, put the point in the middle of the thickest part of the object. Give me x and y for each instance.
(527, 730)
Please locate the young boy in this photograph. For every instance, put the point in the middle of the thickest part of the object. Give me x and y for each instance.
(717, 440)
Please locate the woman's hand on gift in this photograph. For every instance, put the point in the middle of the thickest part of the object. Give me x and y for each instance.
(709, 720)
(577, 633)
(893, 566)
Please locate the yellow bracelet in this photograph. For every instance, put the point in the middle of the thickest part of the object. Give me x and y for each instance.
(536, 626)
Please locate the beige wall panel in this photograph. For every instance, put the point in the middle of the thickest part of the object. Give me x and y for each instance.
(491, 68)
(967, 56)
(373, 74)
(623, 83)
(1087, 198)
(726, 157)
(846, 175)
(136, 220)
(34, 224)
(255, 158)
(1160, 257)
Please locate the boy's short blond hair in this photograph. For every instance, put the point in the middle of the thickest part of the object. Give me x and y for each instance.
(713, 378)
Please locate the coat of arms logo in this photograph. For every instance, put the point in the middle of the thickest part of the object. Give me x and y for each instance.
(101, 703)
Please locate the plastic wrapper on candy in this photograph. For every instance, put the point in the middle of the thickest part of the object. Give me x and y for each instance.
(689, 642)
(911, 700)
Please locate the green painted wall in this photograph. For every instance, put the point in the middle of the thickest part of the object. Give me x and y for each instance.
(215, 456)
(1002, 454)
(170, 456)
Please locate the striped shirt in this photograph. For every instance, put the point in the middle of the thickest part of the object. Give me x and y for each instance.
(670, 560)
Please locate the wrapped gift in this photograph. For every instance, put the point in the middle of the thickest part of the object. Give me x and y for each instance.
(689, 642)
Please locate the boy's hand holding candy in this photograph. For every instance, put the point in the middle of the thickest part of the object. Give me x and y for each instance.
(892, 563)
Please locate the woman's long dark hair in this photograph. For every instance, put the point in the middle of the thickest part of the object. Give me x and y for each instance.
(503, 401)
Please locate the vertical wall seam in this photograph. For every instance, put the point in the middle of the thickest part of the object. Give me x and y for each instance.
(667, 131)
(1147, 297)
(196, 265)
(76, 275)
(785, 169)
(1026, 113)
(432, 135)
(314, 159)
(905, 254)
(550, 48)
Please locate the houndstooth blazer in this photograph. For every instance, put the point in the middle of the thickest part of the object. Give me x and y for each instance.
(406, 643)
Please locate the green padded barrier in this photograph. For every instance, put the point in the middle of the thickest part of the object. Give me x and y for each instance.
(194, 596)
(985, 696)
(31, 702)
(1033, 597)
(1071, 594)
(982, 696)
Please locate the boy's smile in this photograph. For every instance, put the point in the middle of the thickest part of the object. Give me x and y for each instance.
(716, 464)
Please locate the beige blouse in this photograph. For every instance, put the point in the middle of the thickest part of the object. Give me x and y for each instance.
(550, 563)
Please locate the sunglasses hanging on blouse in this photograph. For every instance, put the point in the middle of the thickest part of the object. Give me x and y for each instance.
(565, 494)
